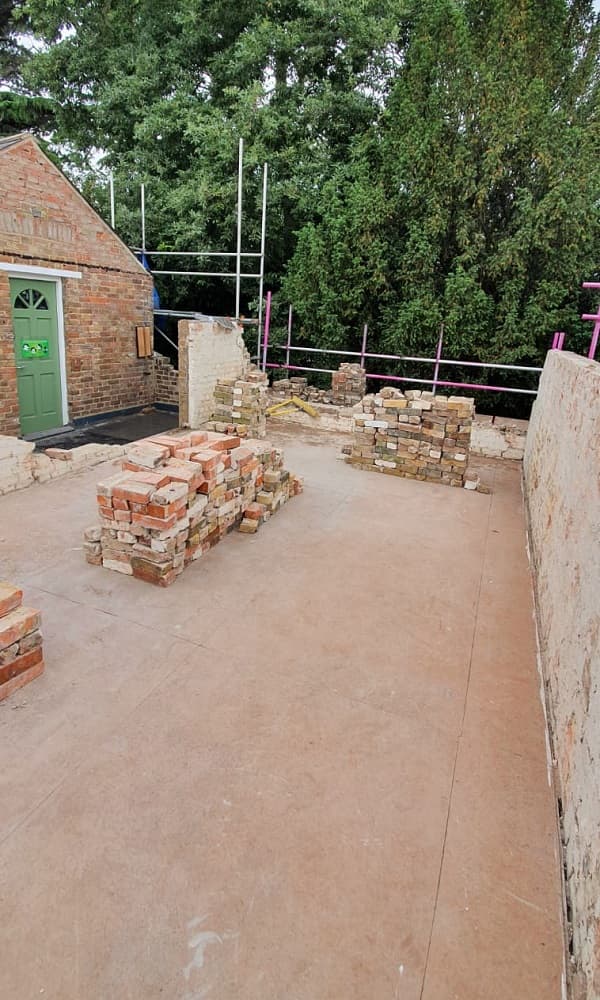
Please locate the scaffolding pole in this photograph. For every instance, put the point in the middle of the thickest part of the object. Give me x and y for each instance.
(238, 265)
(143, 200)
(111, 186)
(263, 237)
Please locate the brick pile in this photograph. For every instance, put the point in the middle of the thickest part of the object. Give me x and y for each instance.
(278, 485)
(177, 496)
(285, 388)
(348, 384)
(21, 655)
(413, 434)
(240, 406)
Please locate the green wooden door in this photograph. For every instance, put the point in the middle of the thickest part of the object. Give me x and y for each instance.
(35, 325)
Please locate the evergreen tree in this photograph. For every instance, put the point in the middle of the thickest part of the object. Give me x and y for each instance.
(19, 109)
(474, 200)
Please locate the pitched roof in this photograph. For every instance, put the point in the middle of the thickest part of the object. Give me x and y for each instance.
(10, 141)
(6, 141)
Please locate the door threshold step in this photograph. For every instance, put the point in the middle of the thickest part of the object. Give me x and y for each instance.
(55, 432)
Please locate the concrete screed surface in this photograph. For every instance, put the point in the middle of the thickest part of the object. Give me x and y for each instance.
(313, 769)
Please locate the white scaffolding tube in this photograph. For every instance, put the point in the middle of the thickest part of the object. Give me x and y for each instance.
(143, 200)
(263, 237)
(237, 253)
(111, 184)
(238, 268)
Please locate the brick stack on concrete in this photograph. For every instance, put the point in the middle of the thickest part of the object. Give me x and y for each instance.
(21, 655)
(278, 485)
(348, 385)
(413, 434)
(177, 496)
(240, 406)
(285, 388)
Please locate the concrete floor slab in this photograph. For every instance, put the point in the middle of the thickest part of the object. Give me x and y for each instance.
(312, 769)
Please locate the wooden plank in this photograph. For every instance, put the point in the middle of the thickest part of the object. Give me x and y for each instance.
(139, 333)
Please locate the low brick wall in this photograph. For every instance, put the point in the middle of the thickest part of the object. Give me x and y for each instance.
(415, 435)
(498, 437)
(21, 465)
(562, 492)
(165, 381)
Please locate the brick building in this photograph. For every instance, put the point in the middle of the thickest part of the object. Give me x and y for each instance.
(71, 296)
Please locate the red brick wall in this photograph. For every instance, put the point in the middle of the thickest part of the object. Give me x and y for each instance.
(45, 222)
(165, 381)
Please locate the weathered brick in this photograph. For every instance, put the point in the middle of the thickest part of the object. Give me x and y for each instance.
(12, 685)
(17, 624)
(27, 659)
(10, 598)
(133, 491)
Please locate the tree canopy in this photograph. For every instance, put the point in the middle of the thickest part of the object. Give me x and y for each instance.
(429, 162)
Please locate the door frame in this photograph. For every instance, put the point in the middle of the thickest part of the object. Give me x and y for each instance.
(55, 275)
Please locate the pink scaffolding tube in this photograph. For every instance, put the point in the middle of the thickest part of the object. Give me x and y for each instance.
(410, 357)
(417, 381)
(595, 319)
(267, 326)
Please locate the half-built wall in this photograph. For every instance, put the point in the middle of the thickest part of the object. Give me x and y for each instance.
(209, 349)
(562, 486)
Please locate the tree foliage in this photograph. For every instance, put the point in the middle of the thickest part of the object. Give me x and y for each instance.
(429, 162)
(19, 108)
(473, 199)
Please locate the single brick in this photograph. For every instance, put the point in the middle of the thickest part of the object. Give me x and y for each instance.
(21, 679)
(10, 598)
(27, 659)
(146, 521)
(16, 624)
(134, 491)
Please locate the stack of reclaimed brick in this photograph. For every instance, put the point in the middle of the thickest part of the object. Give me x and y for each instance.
(288, 387)
(348, 384)
(413, 434)
(21, 656)
(240, 406)
(177, 496)
(277, 488)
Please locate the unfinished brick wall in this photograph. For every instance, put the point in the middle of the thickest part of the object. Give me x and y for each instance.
(209, 349)
(415, 435)
(45, 222)
(165, 381)
(21, 465)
